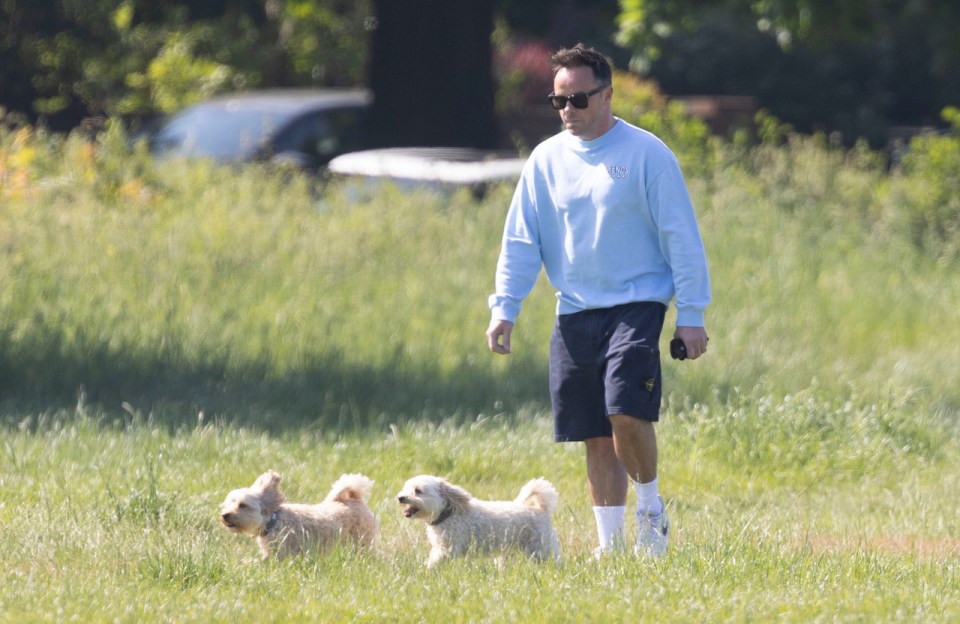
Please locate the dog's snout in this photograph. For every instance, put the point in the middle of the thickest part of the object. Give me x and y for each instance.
(402, 500)
(225, 516)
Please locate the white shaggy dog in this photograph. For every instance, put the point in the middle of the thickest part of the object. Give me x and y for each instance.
(457, 522)
(285, 529)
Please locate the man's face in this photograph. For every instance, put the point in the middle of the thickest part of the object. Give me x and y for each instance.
(584, 123)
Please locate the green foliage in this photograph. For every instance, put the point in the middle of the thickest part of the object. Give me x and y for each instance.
(327, 41)
(135, 58)
(641, 103)
(643, 24)
(852, 67)
(928, 193)
(177, 78)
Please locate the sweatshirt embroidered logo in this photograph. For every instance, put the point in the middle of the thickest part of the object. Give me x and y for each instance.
(617, 172)
(651, 384)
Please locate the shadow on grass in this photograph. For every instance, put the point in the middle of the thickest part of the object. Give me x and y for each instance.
(325, 395)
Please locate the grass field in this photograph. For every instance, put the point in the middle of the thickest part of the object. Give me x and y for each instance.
(168, 332)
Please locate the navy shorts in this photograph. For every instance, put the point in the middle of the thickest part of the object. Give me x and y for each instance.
(603, 362)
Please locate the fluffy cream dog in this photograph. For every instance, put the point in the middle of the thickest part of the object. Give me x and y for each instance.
(457, 522)
(285, 529)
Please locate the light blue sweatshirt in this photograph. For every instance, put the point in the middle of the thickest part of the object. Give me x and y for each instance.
(611, 222)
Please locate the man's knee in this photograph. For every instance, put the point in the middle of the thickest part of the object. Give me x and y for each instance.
(623, 423)
(599, 445)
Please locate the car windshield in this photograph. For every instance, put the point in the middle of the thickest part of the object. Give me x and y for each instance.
(220, 132)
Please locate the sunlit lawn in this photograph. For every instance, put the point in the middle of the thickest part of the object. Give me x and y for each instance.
(168, 333)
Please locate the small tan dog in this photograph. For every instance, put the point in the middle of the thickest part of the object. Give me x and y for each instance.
(457, 522)
(285, 529)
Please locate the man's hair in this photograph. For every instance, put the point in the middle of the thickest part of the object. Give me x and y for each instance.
(582, 56)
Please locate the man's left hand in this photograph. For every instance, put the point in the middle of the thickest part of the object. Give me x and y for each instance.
(694, 339)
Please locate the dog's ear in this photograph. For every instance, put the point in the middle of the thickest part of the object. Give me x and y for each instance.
(456, 496)
(267, 481)
(268, 485)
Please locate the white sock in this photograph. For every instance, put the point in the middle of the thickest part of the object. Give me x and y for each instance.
(648, 497)
(610, 527)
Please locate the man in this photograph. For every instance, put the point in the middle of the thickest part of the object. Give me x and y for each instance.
(603, 207)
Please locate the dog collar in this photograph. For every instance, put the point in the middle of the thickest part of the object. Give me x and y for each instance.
(446, 513)
(271, 523)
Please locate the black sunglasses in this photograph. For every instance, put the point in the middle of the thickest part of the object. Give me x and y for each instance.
(579, 100)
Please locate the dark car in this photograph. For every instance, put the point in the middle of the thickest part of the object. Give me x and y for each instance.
(306, 127)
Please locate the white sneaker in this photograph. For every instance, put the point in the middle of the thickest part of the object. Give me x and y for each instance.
(653, 531)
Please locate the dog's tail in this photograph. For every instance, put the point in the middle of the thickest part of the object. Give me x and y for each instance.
(539, 494)
(350, 487)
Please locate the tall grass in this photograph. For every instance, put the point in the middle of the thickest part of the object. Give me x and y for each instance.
(169, 330)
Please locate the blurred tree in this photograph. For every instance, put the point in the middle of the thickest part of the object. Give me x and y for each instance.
(856, 67)
(430, 72)
(561, 23)
(528, 32)
(62, 60)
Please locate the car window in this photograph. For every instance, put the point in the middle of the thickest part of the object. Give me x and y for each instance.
(350, 126)
(221, 133)
(324, 134)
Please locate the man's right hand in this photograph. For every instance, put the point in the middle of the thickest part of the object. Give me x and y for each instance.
(498, 336)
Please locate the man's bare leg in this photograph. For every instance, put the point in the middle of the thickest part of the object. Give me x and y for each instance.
(608, 484)
(605, 474)
(635, 444)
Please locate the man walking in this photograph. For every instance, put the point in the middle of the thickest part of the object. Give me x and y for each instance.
(604, 209)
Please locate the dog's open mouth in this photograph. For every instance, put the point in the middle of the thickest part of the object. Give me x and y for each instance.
(410, 511)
